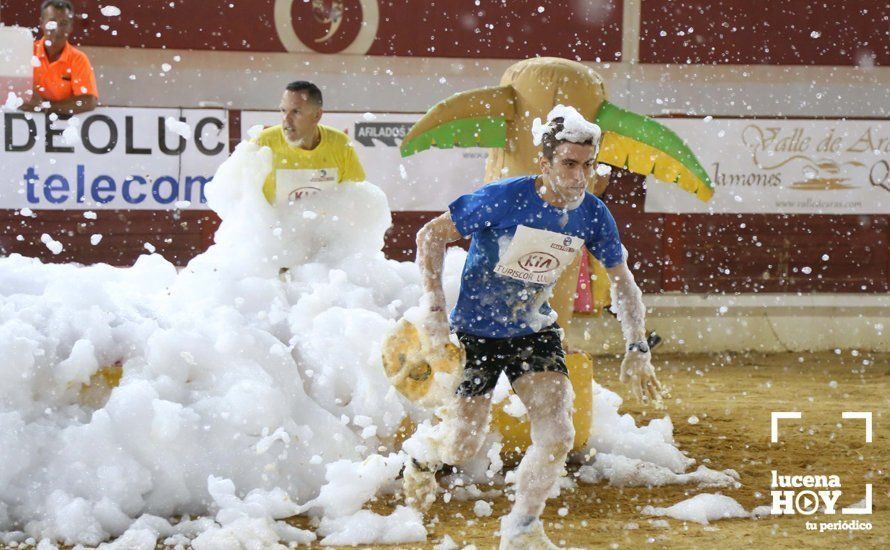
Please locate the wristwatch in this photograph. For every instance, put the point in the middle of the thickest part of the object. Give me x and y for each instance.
(641, 347)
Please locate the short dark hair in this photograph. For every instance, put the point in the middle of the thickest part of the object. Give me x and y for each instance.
(304, 86)
(58, 4)
(549, 143)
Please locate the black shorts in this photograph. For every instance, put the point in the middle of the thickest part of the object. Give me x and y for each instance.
(487, 357)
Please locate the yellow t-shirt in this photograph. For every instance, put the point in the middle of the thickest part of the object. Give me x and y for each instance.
(332, 161)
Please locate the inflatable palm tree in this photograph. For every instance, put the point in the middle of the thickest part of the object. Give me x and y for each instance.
(500, 117)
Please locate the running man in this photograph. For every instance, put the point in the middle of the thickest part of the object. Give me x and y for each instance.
(525, 231)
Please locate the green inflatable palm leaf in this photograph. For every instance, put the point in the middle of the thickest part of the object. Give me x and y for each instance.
(466, 132)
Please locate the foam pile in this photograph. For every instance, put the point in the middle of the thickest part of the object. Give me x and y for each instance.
(233, 375)
(703, 508)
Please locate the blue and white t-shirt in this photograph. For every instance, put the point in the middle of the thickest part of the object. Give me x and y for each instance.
(520, 244)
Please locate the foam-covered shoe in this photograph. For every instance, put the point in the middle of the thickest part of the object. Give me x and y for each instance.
(524, 534)
(420, 485)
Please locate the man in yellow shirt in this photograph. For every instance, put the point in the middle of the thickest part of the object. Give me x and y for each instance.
(308, 157)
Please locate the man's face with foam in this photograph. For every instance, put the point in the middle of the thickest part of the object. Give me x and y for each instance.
(569, 170)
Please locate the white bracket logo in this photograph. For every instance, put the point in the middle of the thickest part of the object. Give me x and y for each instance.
(863, 415)
(774, 423)
(775, 416)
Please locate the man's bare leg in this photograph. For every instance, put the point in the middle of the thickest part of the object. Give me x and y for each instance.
(460, 436)
(467, 428)
(548, 397)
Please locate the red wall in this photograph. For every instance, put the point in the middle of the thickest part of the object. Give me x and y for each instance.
(430, 28)
(785, 32)
(178, 236)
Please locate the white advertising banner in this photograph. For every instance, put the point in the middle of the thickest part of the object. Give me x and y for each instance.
(784, 166)
(16, 50)
(428, 180)
(112, 158)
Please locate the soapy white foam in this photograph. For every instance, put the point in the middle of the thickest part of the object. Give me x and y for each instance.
(178, 127)
(254, 131)
(71, 133)
(575, 127)
(703, 508)
(228, 369)
(13, 102)
(53, 245)
(404, 525)
(621, 471)
(619, 435)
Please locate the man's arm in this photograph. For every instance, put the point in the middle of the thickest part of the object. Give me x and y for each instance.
(75, 105)
(637, 365)
(628, 299)
(432, 240)
(71, 106)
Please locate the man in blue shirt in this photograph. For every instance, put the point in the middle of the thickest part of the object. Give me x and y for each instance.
(525, 231)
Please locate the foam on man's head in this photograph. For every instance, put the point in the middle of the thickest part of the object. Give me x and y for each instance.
(575, 128)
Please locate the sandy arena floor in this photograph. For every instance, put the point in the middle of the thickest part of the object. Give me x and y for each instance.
(732, 396)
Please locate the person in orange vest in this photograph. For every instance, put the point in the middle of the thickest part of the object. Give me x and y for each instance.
(64, 81)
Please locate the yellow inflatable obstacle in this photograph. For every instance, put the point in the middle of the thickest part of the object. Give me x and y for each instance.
(425, 376)
(95, 394)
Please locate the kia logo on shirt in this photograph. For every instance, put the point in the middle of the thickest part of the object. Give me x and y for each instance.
(538, 262)
(301, 192)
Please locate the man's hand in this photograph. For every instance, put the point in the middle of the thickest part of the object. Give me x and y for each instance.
(637, 370)
(435, 325)
(34, 104)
